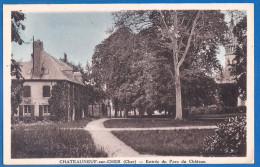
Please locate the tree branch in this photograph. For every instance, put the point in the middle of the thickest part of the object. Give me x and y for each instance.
(189, 40)
(162, 17)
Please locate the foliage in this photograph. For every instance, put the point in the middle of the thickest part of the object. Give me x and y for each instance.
(228, 94)
(16, 86)
(137, 62)
(229, 139)
(111, 64)
(16, 26)
(16, 18)
(189, 37)
(216, 110)
(16, 69)
(52, 142)
(59, 100)
(76, 68)
(239, 70)
(65, 96)
(94, 92)
(16, 95)
(198, 89)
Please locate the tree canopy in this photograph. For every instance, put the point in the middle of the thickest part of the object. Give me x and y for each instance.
(239, 70)
(152, 53)
(16, 26)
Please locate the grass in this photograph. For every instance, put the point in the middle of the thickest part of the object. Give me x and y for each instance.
(155, 122)
(53, 141)
(75, 124)
(159, 142)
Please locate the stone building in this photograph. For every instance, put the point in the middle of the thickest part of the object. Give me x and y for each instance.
(40, 75)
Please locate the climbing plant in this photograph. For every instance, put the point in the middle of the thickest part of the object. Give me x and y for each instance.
(65, 97)
(59, 100)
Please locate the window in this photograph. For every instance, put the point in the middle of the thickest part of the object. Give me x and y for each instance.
(46, 91)
(26, 91)
(27, 109)
(46, 108)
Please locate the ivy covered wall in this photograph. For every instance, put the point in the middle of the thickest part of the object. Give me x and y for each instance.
(69, 101)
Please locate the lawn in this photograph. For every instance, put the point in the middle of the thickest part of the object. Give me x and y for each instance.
(155, 122)
(168, 142)
(75, 124)
(53, 140)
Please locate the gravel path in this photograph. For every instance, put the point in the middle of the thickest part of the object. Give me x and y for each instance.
(105, 140)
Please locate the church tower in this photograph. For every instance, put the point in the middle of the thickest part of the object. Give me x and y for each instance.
(228, 80)
(230, 48)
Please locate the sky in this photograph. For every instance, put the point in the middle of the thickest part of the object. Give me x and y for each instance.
(75, 34)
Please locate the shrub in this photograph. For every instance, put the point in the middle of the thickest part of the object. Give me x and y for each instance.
(229, 139)
(216, 110)
(228, 94)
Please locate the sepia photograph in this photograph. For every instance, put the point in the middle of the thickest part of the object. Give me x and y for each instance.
(128, 84)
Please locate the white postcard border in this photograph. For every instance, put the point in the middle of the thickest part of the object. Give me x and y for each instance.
(249, 7)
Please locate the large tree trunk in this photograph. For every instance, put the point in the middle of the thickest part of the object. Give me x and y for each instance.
(92, 109)
(126, 113)
(116, 107)
(175, 53)
(177, 71)
(116, 112)
(178, 94)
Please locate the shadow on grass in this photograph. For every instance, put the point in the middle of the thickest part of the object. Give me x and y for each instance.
(158, 142)
(156, 122)
(52, 142)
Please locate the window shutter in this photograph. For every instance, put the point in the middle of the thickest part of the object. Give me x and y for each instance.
(32, 110)
(20, 110)
(40, 111)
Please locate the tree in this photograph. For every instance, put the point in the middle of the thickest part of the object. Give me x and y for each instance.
(76, 68)
(239, 69)
(198, 90)
(178, 33)
(16, 26)
(91, 92)
(111, 64)
(16, 95)
(16, 88)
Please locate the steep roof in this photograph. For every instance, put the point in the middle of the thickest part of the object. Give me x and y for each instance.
(52, 69)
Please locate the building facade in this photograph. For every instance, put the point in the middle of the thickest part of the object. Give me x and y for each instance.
(40, 75)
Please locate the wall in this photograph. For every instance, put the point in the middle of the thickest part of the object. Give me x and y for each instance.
(37, 98)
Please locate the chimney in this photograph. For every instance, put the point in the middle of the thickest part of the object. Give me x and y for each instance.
(37, 58)
(65, 58)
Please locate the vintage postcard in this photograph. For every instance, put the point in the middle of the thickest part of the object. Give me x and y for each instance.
(128, 83)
